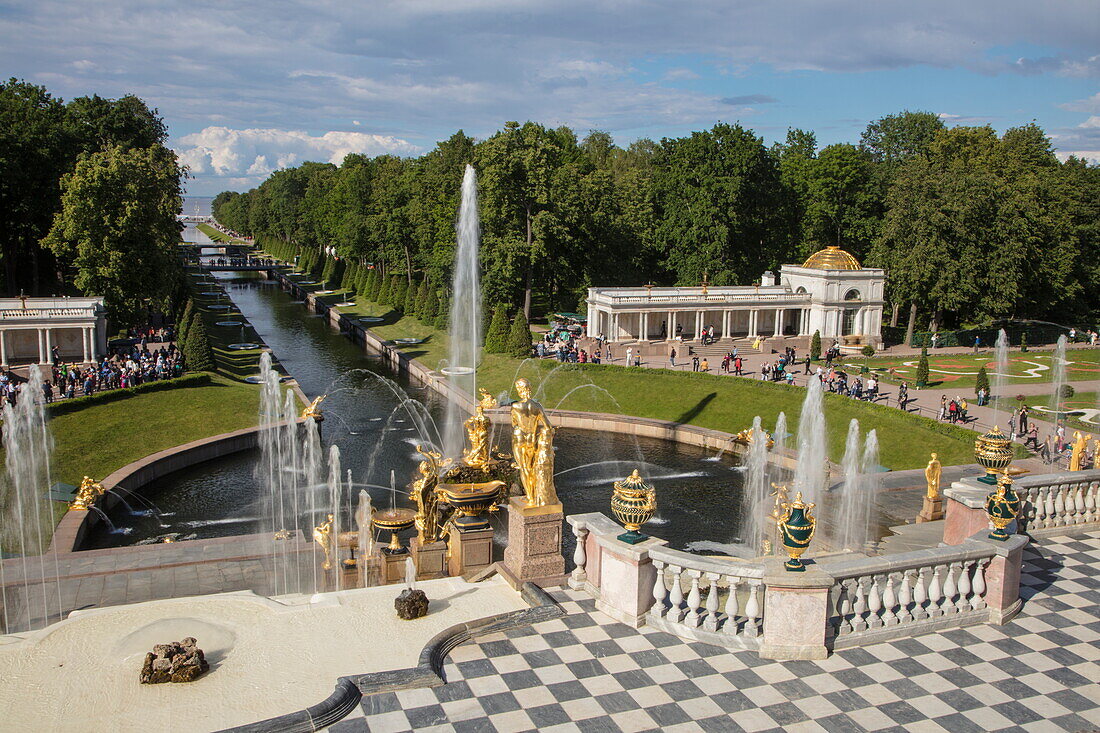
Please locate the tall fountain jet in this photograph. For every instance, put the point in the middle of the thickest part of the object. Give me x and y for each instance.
(810, 474)
(466, 322)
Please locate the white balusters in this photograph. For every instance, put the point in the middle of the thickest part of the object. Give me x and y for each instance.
(977, 600)
(935, 594)
(874, 604)
(905, 597)
(693, 600)
(659, 590)
(752, 609)
(1090, 502)
(1052, 517)
(1079, 505)
(859, 606)
(579, 576)
(731, 607)
(1040, 508)
(843, 610)
(889, 603)
(711, 621)
(676, 596)
(963, 604)
(1060, 506)
(920, 596)
(949, 590)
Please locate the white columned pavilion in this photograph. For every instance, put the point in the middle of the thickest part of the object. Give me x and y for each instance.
(830, 293)
(30, 329)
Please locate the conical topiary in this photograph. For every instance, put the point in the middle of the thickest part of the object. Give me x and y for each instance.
(410, 299)
(519, 339)
(496, 336)
(197, 352)
(922, 368)
(382, 295)
(185, 322)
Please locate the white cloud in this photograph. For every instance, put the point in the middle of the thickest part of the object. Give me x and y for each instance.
(223, 151)
(680, 73)
(1089, 104)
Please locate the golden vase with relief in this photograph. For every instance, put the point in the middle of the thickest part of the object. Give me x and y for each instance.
(797, 528)
(633, 504)
(993, 452)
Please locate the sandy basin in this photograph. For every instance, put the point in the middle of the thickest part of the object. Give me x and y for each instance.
(268, 657)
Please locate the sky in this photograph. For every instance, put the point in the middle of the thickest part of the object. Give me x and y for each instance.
(247, 88)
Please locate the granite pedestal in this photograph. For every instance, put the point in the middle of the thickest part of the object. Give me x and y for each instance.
(932, 510)
(430, 559)
(469, 551)
(796, 610)
(534, 544)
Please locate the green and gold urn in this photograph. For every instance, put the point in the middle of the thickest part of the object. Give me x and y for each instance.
(633, 504)
(1002, 506)
(797, 527)
(993, 452)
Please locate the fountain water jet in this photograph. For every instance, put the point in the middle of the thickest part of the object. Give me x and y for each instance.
(999, 377)
(851, 532)
(810, 474)
(1059, 377)
(465, 324)
(754, 499)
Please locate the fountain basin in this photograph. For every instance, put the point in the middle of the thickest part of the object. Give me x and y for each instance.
(409, 341)
(229, 323)
(213, 293)
(216, 307)
(243, 347)
(346, 304)
(458, 371)
(371, 319)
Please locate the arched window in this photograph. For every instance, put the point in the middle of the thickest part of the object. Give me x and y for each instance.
(852, 294)
(801, 290)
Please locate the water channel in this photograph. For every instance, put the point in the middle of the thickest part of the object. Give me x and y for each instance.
(698, 493)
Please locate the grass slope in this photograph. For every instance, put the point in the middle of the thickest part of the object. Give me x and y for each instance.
(215, 234)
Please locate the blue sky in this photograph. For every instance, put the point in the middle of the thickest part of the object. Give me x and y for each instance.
(248, 88)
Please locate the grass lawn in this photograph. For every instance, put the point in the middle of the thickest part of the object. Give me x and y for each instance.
(1083, 408)
(711, 401)
(960, 370)
(215, 234)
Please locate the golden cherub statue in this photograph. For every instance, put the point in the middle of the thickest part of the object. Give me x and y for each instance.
(932, 475)
(533, 448)
(477, 434)
(487, 401)
(86, 495)
(322, 535)
(314, 409)
(425, 496)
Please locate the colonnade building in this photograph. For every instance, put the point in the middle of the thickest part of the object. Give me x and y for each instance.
(831, 292)
(30, 328)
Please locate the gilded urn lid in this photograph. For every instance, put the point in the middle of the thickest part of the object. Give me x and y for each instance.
(632, 484)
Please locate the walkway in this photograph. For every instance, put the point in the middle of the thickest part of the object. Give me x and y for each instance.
(586, 672)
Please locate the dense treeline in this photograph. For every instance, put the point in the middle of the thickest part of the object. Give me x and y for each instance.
(88, 200)
(965, 221)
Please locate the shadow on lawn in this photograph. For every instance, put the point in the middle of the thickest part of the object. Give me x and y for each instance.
(701, 405)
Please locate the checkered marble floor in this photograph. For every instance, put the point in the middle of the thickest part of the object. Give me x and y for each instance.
(586, 672)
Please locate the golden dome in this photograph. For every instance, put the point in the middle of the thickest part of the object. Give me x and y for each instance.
(832, 258)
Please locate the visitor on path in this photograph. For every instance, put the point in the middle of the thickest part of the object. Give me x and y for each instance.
(695, 363)
(704, 365)
(983, 397)
(737, 365)
(629, 353)
(807, 365)
(977, 343)
(1045, 451)
(963, 406)
(943, 408)
(953, 411)
(1023, 419)
(1032, 437)
(935, 340)
(672, 357)
(1012, 425)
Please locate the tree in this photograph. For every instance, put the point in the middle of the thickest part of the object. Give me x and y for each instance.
(497, 335)
(844, 201)
(815, 346)
(382, 295)
(893, 139)
(430, 310)
(185, 321)
(398, 288)
(410, 305)
(719, 206)
(981, 382)
(197, 354)
(117, 230)
(922, 368)
(519, 338)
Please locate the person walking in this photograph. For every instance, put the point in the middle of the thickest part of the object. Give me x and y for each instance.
(977, 343)
(1023, 419)
(629, 354)
(737, 365)
(672, 357)
(943, 407)
(1033, 437)
(704, 366)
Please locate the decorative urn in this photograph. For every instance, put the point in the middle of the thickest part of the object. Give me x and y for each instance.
(797, 527)
(633, 504)
(993, 452)
(471, 501)
(394, 521)
(1002, 506)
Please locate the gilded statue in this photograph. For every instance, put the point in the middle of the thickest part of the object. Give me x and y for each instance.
(932, 475)
(781, 500)
(477, 433)
(86, 495)
(322, 535)
(314, 409)
(1080, 442)
(425, 496)
(487, 401)
(533, 448)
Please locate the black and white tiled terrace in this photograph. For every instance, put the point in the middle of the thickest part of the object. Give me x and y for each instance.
(585, 672)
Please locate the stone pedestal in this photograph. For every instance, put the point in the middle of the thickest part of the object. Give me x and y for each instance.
(392, 566)
(932, 510)
(469, 551)
(534, 544)
(430, 559)
(796, 612)
(370, 570)
(1002, 577)
(965, 510)
(627, 576)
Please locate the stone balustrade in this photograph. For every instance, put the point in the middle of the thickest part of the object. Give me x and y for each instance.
(1050, 503)
(840, 601)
